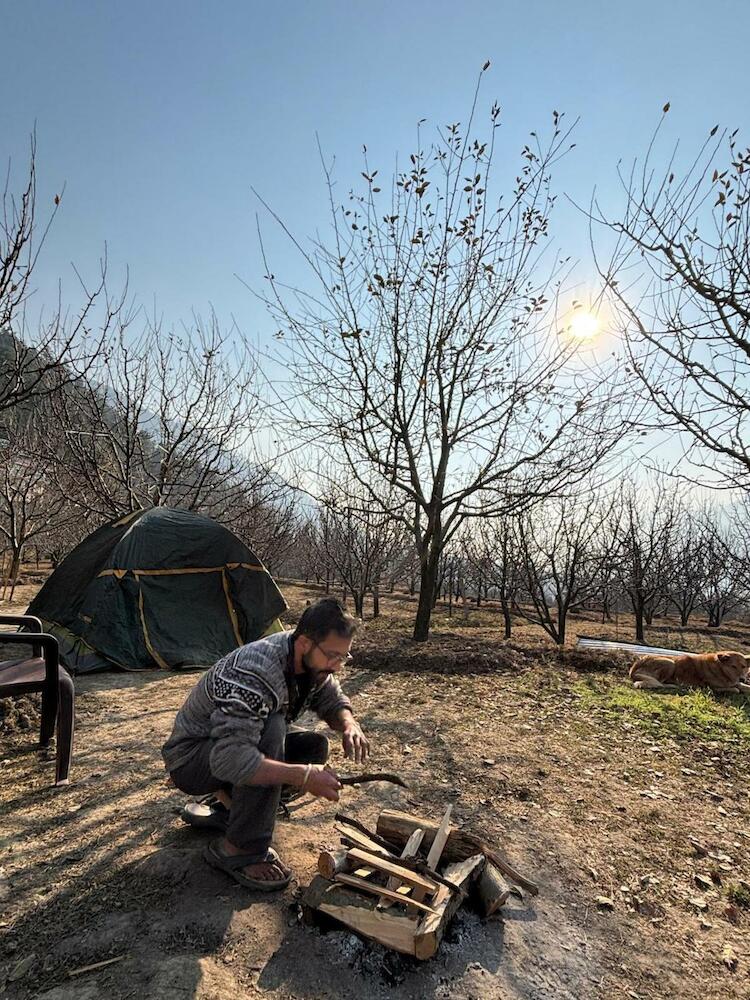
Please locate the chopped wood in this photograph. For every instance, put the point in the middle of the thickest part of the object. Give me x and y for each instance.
(412, 846)
(331, 862)
(352, 837)
(427, 885)
(493, 891)
(440, 839)
(353, 824)
(436, 848)
(394, 929)
(380, 890)
(396, 827)
(96, 965)
(445, 904)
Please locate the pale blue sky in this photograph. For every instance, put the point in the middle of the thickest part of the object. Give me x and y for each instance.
(159, 116)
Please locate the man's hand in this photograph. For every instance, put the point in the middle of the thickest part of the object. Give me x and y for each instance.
(323, 783)
(354, 741)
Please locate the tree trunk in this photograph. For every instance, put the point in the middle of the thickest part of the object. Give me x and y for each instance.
(639, 630)
(359, 603)
(375, 602)
(506, 620)
(427, 582)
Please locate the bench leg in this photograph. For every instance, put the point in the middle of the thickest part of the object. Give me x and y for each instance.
(65, 727)
(50, 700)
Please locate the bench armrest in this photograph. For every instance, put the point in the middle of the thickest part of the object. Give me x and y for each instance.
(42, 643)
(30, 622)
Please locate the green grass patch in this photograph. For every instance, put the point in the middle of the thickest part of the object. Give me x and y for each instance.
(739, 895)
(692, 715)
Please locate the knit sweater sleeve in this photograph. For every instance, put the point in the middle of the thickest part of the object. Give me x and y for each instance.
(329, 699)
(245, 690)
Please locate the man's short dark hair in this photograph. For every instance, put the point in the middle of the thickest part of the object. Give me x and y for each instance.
(325, 616)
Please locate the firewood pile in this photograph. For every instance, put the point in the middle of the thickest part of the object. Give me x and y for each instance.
(402, 884)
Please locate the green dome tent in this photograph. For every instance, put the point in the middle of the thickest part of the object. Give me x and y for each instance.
(158, 588)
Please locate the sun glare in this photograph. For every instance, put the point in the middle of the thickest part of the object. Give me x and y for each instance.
(584, 325)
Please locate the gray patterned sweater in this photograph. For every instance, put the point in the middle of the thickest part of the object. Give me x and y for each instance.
(231, 701)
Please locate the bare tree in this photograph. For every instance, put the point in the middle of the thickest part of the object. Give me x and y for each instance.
(723, 588)
(64, 345)
(562, 546)
(30, 506)
(686, 320)
(167, 421)
(360, 541)
(647, 518)
(687, 568)
(428, 359)
(493, 551)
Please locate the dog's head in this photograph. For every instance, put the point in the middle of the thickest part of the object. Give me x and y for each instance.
(735, 661)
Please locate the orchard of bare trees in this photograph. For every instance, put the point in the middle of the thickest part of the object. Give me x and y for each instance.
(451, 439)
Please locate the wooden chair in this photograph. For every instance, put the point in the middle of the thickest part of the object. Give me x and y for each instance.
(41, 672)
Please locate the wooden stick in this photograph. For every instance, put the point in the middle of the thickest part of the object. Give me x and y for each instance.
(361, 779)
(380, 890)
(390, 868)
(379, 841)
(96, 965)
(353, 838)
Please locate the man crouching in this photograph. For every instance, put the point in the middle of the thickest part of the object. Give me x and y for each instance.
(230, 739)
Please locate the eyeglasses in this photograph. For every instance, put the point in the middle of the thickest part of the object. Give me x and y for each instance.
(335, 659)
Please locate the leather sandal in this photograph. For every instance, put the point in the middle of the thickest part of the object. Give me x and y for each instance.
(232, 865)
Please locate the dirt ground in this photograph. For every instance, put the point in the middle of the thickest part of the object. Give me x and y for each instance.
(630, 809)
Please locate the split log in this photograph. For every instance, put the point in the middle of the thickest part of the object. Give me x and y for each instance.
(431, 930)
(352, 837)
(396, 828)
(380, 890)
(493, 890)
(425, 885)
(436, 848)
(412, 846)
(392, 929)
(354, 827)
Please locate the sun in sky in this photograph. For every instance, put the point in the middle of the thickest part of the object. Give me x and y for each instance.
(584, 325)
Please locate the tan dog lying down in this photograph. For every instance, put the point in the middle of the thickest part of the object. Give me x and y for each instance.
(718, 671)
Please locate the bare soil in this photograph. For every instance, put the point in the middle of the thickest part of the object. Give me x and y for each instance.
(631, 811)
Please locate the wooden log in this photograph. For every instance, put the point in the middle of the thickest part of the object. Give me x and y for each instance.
(492, 890)
(412, 846)
(354, 824)
(393, 929)
(426, 885)
(331, 862)
(439, 840)
(436, 848)
(396, 827)
(356, 838)
(381, 891)
(431, 929)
